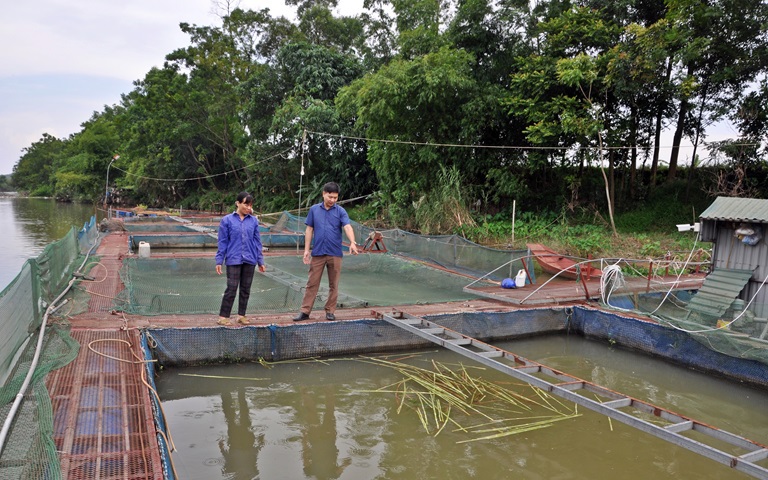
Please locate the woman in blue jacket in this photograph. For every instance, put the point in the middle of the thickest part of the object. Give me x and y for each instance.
(240, 250)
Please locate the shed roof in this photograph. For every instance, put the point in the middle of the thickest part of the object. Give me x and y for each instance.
(737, 210)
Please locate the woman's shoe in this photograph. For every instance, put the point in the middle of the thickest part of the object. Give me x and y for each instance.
(224, 321)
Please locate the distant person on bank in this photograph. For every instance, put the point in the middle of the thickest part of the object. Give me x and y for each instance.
(325, 221)
(240, 250)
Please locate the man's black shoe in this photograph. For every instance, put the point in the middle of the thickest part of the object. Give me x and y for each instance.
(301, 316)
(330, 316)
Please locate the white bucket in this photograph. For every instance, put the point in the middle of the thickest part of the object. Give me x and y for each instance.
(143, 250)
(520, 279)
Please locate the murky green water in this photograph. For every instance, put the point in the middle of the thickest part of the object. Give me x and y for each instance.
(320, 421)
(29, 225)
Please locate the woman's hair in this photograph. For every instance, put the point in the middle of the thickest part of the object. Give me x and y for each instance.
(244, 197)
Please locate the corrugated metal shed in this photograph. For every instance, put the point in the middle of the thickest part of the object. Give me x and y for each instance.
(728, 212)
(733, 209)
(719, 224)
(720, 289)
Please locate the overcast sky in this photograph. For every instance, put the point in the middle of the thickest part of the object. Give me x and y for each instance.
(63, 60)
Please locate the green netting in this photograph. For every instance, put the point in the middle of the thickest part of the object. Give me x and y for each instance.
(385, 279)
(449, 251)
(88, 236)
(20, 315)
(194, 240)
(29, 451)
(157, 227)
(147, 218)
(156, 286)
(56, 264)
(735, 334)
(737, 339)
(24, 300)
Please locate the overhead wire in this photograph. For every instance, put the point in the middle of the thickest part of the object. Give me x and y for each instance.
(503, 147)
(205, 177)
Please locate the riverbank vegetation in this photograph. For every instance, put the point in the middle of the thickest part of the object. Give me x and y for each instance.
(442, 116)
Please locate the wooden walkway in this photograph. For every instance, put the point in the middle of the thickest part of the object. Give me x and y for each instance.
(562, 291)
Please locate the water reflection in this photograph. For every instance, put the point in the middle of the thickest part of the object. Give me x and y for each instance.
(29, 225)
(240, 448)
(319, 453)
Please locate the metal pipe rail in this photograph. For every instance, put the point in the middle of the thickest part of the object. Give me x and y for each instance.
(524, 369)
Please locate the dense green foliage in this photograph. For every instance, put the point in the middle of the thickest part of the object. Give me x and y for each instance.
(5, 183)
(442, 113)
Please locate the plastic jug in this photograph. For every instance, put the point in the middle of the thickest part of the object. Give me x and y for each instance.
(520, 279)
(143, 249)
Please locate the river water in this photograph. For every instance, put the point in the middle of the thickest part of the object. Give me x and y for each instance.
(29, 224)
(325, 420)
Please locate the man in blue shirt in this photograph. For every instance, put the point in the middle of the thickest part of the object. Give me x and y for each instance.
(240, 250)
(325, 221)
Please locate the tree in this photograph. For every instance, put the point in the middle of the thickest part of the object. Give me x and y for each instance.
(167, 139)
(420, 100)
(34, 170)
(494, 33)
(724, 50)
(562, 91)
(581, 72)
(187, 133)
(5, 183)
(419, 24)
(639, 72)
(80, 169)
(295, 95)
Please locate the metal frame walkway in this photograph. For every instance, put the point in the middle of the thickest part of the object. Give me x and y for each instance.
(525, 370)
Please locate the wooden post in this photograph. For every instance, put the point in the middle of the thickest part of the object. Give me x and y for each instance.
(650, 272)
(583, 282)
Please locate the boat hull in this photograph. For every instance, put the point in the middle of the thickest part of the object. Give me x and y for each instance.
(556, 264)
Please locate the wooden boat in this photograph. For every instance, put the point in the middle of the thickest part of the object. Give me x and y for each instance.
(555, 264)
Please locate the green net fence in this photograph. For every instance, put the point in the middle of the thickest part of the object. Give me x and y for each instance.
(384, 279)
(736, 333)
(29, 451)
(449, 251)
(158, 286)
(415, 270)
